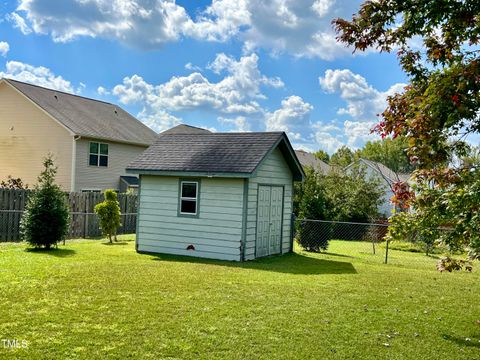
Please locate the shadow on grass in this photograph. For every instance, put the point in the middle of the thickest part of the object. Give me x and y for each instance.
(291, 263)
(472, 342)
(115, 243)
(121, 239)
(337, 255)
(57, 252)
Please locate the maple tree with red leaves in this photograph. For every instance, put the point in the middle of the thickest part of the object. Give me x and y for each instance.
(436, 112)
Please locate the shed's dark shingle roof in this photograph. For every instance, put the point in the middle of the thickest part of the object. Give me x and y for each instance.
(88, 117)
(214, 153)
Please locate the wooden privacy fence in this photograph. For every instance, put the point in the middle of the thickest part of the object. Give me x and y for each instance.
(83, 220)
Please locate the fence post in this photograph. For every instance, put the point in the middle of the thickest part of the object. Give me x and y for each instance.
(85, 196)
(386, 252)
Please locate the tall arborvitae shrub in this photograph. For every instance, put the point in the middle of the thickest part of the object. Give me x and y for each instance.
(108, 213)
(45, 220)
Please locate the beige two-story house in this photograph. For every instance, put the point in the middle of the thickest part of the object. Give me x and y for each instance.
(92, 141)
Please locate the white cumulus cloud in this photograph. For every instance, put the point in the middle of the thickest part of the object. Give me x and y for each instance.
(220, 21)
(159, 120)
(362, 104)
(191, 67)
(292, 117)
(298, 27)
(102, 91)
(37, 75)
(4, 48)
(234, 98)
(357, 133)
(239, 123)
(143, 23)
(236, 93)
(19, 23)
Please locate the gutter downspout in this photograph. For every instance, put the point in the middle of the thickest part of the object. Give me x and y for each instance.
(74, 162)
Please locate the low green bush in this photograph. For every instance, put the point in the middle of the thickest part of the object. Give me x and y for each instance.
(108, 213)
(314, 236)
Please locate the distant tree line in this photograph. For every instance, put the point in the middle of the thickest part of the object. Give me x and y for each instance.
(389, 152)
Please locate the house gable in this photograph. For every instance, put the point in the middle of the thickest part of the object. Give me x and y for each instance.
(27, 135)
(274, 170)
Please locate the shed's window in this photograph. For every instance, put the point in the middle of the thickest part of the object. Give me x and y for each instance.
(189, 197)
(98, 154)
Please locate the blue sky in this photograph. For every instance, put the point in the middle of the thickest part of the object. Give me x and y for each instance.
(227, 65)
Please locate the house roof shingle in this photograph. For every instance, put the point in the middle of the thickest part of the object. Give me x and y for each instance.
(384, 171)
(309, 159)
(88, 117)
(130, 180)
(185, 129)
(214, 153)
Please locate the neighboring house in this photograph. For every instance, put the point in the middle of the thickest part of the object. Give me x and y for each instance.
(92, 141)
(185, 129)
(217, 195)
(310, 160)
(386, 177)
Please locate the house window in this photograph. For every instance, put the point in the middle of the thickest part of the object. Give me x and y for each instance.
(189, 197)
(98, 154)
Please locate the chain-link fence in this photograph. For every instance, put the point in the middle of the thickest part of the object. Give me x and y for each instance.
(365, 241)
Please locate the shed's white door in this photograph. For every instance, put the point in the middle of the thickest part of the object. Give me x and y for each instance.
(269, 220)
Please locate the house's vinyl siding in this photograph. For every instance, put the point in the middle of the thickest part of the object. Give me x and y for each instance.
(216, 233)
(101, 178)
(385, 208)
(27, 135)
(273, 171)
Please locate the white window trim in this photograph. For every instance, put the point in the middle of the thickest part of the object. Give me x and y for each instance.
(189, 198)
(98, 154)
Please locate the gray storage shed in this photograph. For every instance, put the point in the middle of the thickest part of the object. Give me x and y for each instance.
(217, 195)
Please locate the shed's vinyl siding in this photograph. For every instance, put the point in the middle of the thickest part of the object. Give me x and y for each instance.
(216, 233)
(273, 171)
(27, 135)
(101, 178)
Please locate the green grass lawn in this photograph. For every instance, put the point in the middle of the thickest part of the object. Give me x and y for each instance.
(92, 300)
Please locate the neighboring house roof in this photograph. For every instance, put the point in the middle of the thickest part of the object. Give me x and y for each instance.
(87, 117)
(214, 154)
(130, 180)
(185, 129)
(390, 175)
(309, 159)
